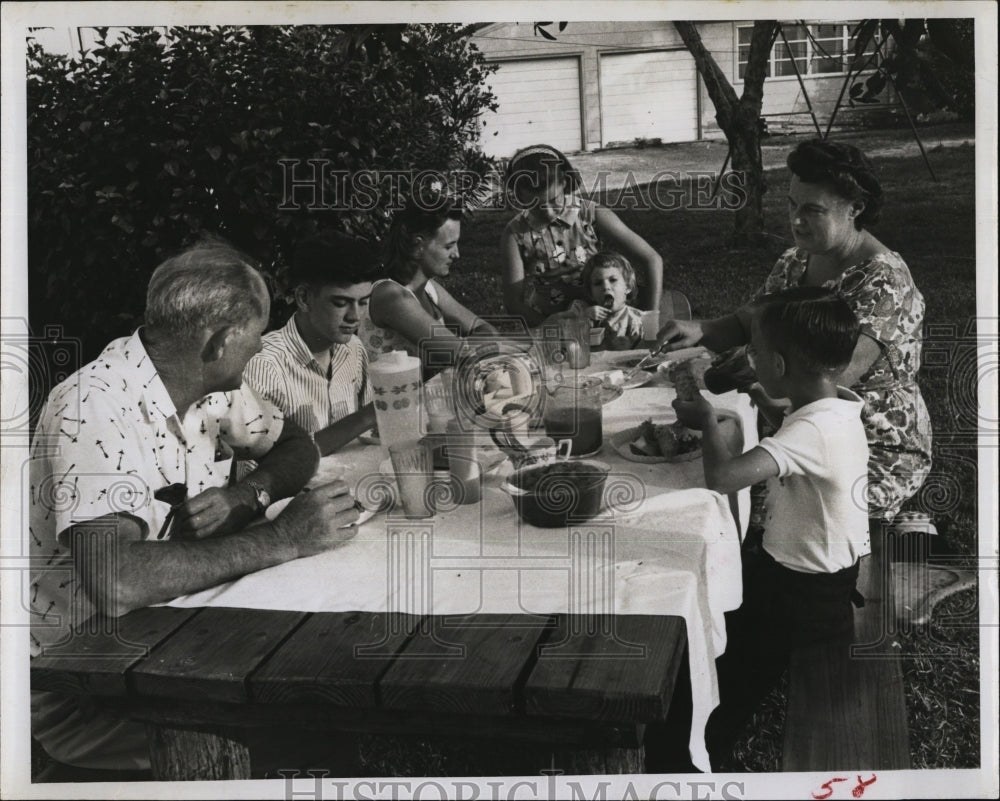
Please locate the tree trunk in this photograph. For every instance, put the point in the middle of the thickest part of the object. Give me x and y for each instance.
(739, 119)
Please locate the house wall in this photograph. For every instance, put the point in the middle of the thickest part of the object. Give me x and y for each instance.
(585, 40)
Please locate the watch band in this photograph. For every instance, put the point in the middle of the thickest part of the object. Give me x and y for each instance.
(261, 496)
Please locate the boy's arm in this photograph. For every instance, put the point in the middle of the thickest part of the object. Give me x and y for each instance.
(725, 472)
(773, 409)
(338, 434)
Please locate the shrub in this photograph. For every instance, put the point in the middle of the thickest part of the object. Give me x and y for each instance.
(147, 141)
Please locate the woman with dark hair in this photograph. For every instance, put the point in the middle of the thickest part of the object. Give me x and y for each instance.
(410, 310)
(833, 196)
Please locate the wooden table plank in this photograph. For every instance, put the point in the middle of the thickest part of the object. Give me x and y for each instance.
(478, 672)
(212, 657)
(96, 662)
(624, 674)
(333, 658)
(536, 732)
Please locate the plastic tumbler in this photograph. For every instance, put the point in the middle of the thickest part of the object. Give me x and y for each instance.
(650, 325)
(396, 388)
(463, 464)
(411, 462)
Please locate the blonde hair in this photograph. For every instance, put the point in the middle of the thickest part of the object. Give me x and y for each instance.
(604, 259)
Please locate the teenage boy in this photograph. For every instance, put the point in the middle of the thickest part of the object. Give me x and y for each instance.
(315, 368)
(800, 584)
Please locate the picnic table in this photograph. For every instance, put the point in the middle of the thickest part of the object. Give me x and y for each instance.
(468, 624)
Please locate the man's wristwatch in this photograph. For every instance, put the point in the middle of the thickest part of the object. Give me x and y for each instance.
(261, 497)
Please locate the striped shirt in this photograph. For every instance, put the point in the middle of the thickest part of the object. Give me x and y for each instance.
(286, 373)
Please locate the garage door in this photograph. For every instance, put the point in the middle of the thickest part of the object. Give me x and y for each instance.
(649, 95)
(538, 100)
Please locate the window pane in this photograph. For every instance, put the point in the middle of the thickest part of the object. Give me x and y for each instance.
(821, 65)
(794, 32)
(784, 67)
(745, 34)
(827, 31)
(827, 56)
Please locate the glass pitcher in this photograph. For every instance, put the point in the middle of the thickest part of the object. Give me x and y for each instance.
(573, 413)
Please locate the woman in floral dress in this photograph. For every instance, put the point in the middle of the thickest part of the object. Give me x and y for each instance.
(833, 196)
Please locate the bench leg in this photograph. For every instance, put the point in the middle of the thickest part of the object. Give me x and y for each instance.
(184, 755)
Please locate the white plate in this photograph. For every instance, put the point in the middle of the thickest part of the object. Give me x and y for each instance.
(623, 439)
(640, 379)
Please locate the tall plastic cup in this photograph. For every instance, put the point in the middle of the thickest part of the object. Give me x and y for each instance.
(411, 462)
(463, 464)
(395, 379)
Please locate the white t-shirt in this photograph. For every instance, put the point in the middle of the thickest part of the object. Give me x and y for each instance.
(817, 513)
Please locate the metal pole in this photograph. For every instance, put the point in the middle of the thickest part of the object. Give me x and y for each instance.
(802, 85)
(909, 119)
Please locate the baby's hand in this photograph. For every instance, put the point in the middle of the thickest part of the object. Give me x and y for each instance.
(697, 413)
(598, 314)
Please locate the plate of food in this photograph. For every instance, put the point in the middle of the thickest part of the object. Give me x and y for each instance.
(662, 442)
(616, 378)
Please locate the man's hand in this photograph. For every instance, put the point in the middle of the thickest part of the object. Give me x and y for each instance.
(697, 414)
(677, 334)
(313, 522)
(219, 510)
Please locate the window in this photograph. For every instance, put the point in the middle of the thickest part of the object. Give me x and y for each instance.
(818, 48)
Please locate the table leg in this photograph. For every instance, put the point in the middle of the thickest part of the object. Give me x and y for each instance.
(184, 755)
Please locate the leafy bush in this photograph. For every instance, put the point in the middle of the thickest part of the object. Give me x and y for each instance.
(137, 148)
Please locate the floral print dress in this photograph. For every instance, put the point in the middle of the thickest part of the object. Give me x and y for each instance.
(554, 254)
(890, 309)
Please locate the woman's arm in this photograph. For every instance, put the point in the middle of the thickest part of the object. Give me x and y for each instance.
(513, 281)
(865, 353)
(646, 261)
(393, 307)
(457, 314)
(717, 335)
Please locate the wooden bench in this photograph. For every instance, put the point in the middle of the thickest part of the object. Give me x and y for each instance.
(846, 708)
(566, 691)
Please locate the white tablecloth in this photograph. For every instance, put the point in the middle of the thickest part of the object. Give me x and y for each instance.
(670, 548)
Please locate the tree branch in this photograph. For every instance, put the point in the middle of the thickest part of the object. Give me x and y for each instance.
(764, 34)
(719, 89)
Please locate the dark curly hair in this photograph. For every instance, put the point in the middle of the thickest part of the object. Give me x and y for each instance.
(419, 217)
(332, 257)
(843, 168)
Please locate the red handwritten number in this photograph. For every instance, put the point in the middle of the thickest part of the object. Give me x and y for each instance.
(859, 791)
(828, 788)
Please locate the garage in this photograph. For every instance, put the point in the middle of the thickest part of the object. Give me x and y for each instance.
(648, 95)
(538, 101)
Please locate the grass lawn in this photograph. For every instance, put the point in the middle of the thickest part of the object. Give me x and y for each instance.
(932, 225)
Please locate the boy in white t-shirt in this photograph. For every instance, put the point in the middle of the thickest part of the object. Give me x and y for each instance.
(799, 585)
